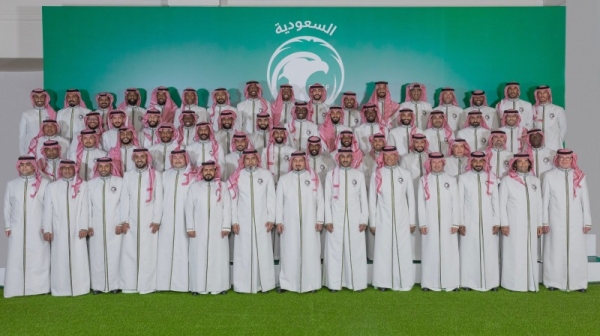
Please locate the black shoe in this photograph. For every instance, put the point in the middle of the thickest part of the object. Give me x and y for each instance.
(583, 290)
(223, 292)
(281, 290)
(383, 289)
(466, 289)
(115, 291)
(96, 292)
(495, 289)
(552, 289)
(194, 293)
(456, 290)
(358, 291)
(333, 290)
(425, 289)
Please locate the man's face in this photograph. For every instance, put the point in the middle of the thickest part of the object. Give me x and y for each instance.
(346, 140)
(179, 161)
(286, 93)
(298, 163)
(335, 115)
(161, 97)
(188, 120)
(498, 141)
(73, 99)
(49, 129)
(536, 140)
(511, 119)
(478, 100)
(447, 97)
(166, 134)
(103, 102)
(89, 140)
(415, 94)
(314, 149)
(522, 165)
(93, 122)
(125, 137)
(475, 120)
(565, 161)
(226, 122)
(190, 97)
(263, 123)
(301, 113)
(477, 164)
(117, 120)
(513, 91)
(153, 120)
(437, 120)
(51, 152)
(253, 90)
(251, 161)
(370, 115)
(104, 169)
(378, 144)
(419, 145)
(349, 102)
(221, 97)
(67, 171)
(26, 168)
(279, 136)
(437, 166)
(209, 172)
(390, 159)
(132, 98)
(345, 159)
(543, 96)
(140, 160)
(203, 132)
(316, 94)
(39, 99)
(240, 144)
(381, 90)
(458, 149)
(406, 118)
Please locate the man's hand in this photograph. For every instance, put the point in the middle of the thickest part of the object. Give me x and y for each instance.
(372, 230)
(90, 232)
(495, 229)
(423, 230)
(82, 234)
(154, 227)
(119, 229)
(7, 233)
(540, 231)
(453, 230)
(586, 229)
(505, 231)
(269, 226)
(546, 229)
(236, 228)
(191, 234)
(125, 228)
(48, 236)
(462, 230)
(329, 227)
(362, 227)
(318, 227)
(280, 228)
(412, 228)
(224, 233)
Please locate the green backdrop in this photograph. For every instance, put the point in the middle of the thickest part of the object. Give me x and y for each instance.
(111, 48)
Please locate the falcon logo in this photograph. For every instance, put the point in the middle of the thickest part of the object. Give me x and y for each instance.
(401, 180)
(447, 185)
(483, 140)
(260, 181)
(551, 115)
(356, 121)
(454, 116)
(546, 160)
(506, 163)
(487, 117)
(113, 189)
(307, 182)
(534, 187)
(521, 109)
(322, 167)
(140, 118)
(308, 132)
(304, 60)
(354, 182)
(286, 158)
(80, 116)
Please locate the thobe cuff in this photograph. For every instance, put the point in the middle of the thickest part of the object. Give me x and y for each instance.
(455, 226)
(545, 224)
(320, 222)
(226, 229)
(585, 225)
(190, 230)
(7, 229)
(413, 225)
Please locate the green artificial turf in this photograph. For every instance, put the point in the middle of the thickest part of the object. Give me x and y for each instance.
(368, 313)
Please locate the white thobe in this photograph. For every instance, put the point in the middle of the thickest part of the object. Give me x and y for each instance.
(231, 164)
(438, 142)
(321, 163)
(225, 138)
(160, 155)
(543, 161)
(524, 107)
(489, 114)
(105, 245)
(476, 137)
(62, 143)
(136, 116)
(260, 140)
(337, 129)
(479, 265)
(521, 211)
(421, 110)
(217, 113)
(299, 208)
(400, 137)
(565, 257)
(201, 113)
(172, 262)
(304, 130)
(281, 156)
(51, 170)
(146, 137)
(319, 112)
(71, 122)
(499, 162)
(65, 216)
(345, 259)
(202, 151)
(248, 110)
(29, 127)
(368, 167)
(88, 160)
(208, 212)
(513, 137)
(552, 120)
(139, 247)
(286, 112)
(393, 212)
(454, 115)
(253, 268)
(187, 136)
(110, 139)
(414, 162)
(352, 118)
(456, 165)
(127, 163)
(363, 132)
(28, 260)
(439, 250)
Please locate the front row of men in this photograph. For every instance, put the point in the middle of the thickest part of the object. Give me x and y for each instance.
(150, 231)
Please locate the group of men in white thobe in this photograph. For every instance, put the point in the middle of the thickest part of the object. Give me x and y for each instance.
(162, 199)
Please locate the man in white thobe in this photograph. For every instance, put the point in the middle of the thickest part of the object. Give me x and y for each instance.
(550, 118)
(566, 220)
(449, 105)
(104, 103)
(221, 103)
(479, 226)
(299, 219)
(387, 108)
(187, 127)
(224, 134)
(105, 226)
(332, 127)
(161, 100)
(31, 120)
(438, 132)
(252, 106)
(317, 103)
(190, 103)
(498, 156)
(50, 160)
(205, 146)
(148, 135)
(239, 144)
(458, 157)
(282, 106)
(511, 101)
(48, 131)
(478, 102)
(261, 137)
(543, 157)
(86, 152)
(168, 142)
(439, 218)
(416, 100)
(351, 112)
(122, 153)
(400, 136)
(141, 212)
(371, 125)
(301, 127)
(70, 118)
(66, 222)
(346, 218)
(253, 194)
(475, 131)
(392, 218)
(317, 160)
(521, 222)
(276, 156)
(28, 260)
(208, 210)
(511, 125)
(116, 120)
(133, 109)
